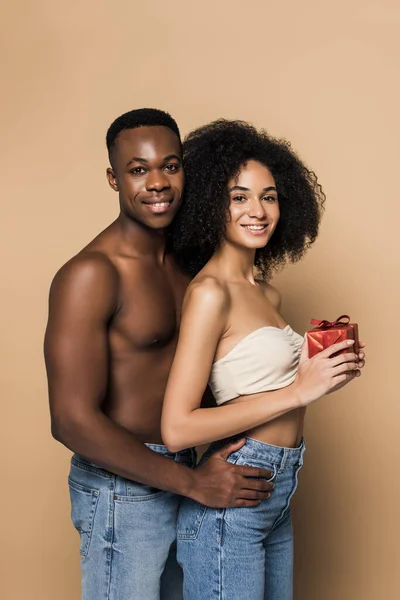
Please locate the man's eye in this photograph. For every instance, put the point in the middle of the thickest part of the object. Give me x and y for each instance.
(138, 171)
(172, 168)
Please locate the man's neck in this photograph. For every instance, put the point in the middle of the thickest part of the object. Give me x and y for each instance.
(139, 240)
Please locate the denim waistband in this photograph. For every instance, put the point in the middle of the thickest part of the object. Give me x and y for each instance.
(161, 449)
(182, 455)
(279, 455)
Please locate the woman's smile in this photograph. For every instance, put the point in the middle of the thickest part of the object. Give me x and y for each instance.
(258, 230)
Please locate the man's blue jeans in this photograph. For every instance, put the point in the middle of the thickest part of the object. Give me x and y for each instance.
(242, 553)
(127, 533)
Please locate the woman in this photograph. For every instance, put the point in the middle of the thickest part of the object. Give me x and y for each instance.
(249, 202)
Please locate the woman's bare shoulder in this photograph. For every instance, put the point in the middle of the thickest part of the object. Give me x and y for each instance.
(209, 292)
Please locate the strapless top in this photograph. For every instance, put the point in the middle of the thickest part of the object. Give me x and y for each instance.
(266, 359)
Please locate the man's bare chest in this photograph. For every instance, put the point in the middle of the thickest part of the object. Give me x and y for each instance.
(149, 312)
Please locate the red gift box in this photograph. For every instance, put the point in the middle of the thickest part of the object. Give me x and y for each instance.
(327, 333)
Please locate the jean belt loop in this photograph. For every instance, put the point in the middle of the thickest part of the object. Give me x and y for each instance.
(283, 461)
(303, 449)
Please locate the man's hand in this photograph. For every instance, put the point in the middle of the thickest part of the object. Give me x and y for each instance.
(220, 484)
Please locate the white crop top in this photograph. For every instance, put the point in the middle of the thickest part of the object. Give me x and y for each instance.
(266, 359)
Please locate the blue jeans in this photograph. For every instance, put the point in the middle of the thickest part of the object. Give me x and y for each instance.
(127, 533)
(242, 553)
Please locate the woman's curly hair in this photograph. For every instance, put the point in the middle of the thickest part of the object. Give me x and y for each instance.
(212, 156)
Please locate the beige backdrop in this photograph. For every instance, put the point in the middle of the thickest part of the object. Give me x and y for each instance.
(324, 75)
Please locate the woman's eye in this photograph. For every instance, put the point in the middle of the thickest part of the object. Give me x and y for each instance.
(239, 198)
(172, 168)
(138, 171)
(270, 198)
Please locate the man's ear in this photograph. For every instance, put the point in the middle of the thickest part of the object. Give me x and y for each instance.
(112, 180)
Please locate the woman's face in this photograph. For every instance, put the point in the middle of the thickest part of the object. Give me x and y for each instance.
(253, 208)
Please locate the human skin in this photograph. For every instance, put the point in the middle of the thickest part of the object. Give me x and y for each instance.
(223, 304)
(114, 314)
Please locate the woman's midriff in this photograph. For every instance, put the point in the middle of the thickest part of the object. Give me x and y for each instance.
(286, 430)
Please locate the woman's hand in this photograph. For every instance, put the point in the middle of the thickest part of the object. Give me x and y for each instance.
(324, 373)
(357, 373)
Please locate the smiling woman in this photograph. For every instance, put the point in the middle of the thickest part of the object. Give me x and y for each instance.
(249, 202)
(213, 157)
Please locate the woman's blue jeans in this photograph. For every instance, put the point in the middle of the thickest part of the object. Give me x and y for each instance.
(242, 553)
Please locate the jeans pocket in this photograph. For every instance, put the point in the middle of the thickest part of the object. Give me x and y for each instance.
(190, 518)
(83, 509)
(136, 492)
(250, 461)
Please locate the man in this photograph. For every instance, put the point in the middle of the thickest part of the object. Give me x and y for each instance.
(110, 340)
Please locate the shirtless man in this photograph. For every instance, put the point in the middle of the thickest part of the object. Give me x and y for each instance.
(110, 341)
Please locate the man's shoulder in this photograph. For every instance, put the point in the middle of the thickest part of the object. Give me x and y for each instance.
(88, 263)
(87, 270)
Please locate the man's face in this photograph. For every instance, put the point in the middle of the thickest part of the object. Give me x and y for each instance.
(147, 172)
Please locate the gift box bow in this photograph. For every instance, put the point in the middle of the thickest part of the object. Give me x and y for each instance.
(342, 320)
(327, 333)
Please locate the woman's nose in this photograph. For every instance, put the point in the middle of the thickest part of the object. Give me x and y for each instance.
(256, 209)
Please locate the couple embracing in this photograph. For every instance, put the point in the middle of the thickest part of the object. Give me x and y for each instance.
(164, 334)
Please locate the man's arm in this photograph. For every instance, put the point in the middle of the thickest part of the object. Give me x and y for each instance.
(83, 299)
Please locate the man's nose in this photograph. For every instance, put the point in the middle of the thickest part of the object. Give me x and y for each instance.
(157, 180)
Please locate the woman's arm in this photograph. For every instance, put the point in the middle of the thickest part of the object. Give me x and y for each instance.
(185, 424)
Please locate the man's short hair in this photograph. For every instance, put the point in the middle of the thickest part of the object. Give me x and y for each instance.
(141, 117)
